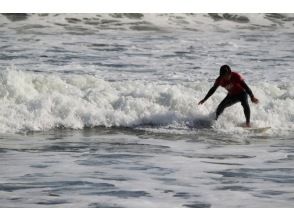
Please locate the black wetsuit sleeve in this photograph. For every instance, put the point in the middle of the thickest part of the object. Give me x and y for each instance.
(210, 92)
(247, 89)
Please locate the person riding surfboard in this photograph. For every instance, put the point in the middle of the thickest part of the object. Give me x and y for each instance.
(237, 89)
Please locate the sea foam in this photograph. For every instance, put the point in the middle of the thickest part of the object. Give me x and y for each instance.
(40, 102)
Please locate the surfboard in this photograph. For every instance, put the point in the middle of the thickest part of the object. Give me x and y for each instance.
(258, 130)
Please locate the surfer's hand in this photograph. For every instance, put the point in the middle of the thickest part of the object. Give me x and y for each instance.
(201, 102)
(254, 100)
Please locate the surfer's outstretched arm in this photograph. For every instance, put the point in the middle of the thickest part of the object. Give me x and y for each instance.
(210, 92)
(249, 92)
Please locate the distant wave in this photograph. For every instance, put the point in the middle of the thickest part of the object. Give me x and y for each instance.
(40, 102)
(77, 23)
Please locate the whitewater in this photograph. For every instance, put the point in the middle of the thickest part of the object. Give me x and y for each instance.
(101, 110)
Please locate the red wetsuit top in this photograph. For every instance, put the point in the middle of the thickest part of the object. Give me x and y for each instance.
(234, 85)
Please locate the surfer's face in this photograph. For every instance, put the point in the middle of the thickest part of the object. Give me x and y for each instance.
(227, 76)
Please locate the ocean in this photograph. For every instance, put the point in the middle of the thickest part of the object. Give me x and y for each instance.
(101, 110)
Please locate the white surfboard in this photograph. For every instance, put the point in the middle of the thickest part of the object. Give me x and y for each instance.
(258, 130)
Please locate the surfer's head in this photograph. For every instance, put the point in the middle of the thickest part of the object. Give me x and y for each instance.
(225, 70)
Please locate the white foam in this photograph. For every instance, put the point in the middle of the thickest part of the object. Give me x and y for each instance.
(36, 102)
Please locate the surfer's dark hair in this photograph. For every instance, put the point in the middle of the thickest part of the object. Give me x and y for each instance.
(224, 69)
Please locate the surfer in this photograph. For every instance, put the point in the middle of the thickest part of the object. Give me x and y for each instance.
(237, 92)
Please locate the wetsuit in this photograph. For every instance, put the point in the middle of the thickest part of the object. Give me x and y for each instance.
(237, 92)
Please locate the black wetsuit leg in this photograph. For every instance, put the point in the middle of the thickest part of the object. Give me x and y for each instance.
(231, 100)
(227, 102)
(246, 108)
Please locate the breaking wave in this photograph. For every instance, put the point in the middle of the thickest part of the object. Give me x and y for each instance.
(40, 102)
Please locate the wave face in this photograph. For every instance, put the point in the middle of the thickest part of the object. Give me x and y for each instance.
(34, 102)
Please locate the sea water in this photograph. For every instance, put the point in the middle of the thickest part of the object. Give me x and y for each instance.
(100, 110)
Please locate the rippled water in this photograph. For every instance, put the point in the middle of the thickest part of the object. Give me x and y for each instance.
(125, 168)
